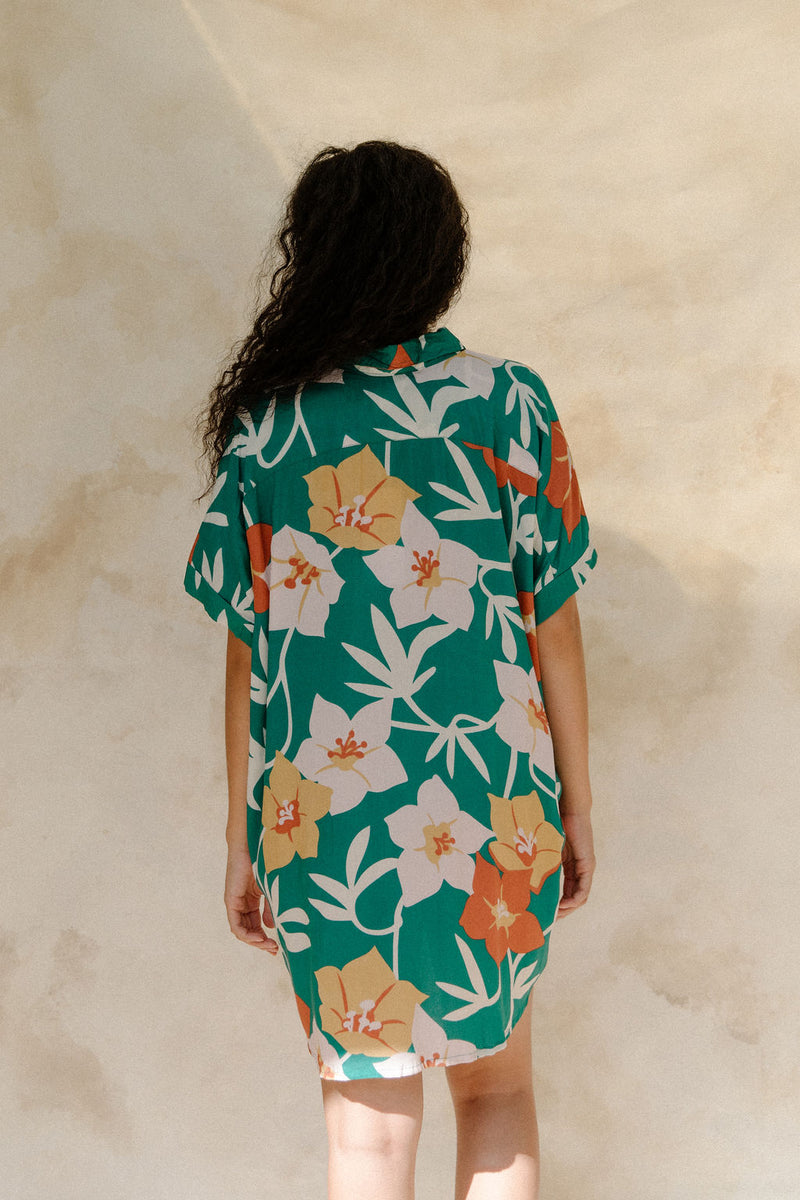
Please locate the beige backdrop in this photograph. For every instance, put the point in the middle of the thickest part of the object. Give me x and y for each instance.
(632, 174)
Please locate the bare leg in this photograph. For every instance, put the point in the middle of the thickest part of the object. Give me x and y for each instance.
(373, 1132)
(498, 1135)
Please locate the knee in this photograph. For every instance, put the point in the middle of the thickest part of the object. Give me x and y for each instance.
(493, 1093)
(360, 1124)
(389, 1141)
(494, 1079)
(507, 1074)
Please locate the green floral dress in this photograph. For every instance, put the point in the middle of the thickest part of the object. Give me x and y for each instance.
(386, 542)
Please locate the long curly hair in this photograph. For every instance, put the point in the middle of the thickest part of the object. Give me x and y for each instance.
(375, 244)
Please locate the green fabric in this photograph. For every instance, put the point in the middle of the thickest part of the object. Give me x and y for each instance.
(386, 543)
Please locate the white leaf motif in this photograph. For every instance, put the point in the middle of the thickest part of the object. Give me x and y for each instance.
(330, 910)
(332, 886)
(423, 678)
(371, 689)
(296, 915)
(355, 854)
(473, 970)
(394, 411)
(296, 941)
(389, 642)
(375, 871)
(452, 989)
(472, 754)
(369, 663)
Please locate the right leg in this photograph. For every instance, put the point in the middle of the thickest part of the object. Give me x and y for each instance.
(497, 1133)
(373, 1130)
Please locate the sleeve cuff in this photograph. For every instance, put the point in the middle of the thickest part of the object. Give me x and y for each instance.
(218, 607)
(551, 595)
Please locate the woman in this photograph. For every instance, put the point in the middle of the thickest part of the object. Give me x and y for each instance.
(394, 542)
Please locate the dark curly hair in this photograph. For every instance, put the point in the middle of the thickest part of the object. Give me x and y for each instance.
(375, 242)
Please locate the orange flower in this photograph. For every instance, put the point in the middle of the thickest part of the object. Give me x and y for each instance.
(505, 473)
(562, 487)
(366, 1007)
(357, 503)
(529, 621)
(526, 841)
(496, 912)
(305, 1015)
(259, 541)
(292, 806)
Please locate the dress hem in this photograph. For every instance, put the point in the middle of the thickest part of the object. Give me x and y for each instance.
(456, 1058)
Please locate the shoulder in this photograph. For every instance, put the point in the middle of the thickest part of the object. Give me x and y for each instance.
(520, 408)
(497, 377)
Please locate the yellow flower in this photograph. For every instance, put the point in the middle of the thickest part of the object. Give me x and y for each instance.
(292, 806)
(525, 838)
(357, 503)
(366, 1007)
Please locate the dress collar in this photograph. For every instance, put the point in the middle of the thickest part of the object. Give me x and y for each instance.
(406, 356)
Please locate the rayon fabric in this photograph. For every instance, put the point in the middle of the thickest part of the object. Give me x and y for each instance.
(386, 543)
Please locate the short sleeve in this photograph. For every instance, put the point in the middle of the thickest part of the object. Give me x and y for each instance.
(218, 572)
(553, 551)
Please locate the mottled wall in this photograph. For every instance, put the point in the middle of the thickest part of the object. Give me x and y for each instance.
(632, 174)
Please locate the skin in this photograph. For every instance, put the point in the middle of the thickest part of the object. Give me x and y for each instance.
(242, 894)
(565, 700)
(374, 1124)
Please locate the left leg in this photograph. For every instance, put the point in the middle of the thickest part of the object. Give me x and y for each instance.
(373, 1131)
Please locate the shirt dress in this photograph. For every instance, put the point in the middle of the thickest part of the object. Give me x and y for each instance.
(386, 541)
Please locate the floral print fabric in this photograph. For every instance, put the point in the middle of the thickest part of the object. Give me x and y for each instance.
(386, 543)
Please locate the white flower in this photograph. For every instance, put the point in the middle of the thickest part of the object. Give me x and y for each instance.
(302, 582)
(431, 1048)
(431, 1042)
(349, 754)
(437, 839)
(428, 574)
(329, 1062)
(521, 720)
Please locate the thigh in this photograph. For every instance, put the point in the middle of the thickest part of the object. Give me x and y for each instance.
(509, 1070)
(373, 1113)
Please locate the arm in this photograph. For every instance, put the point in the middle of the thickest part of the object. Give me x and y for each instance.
(565, 699)
(566, 703)
(242, 894)
(237, 738)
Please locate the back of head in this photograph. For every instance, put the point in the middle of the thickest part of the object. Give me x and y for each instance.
(375, 245)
